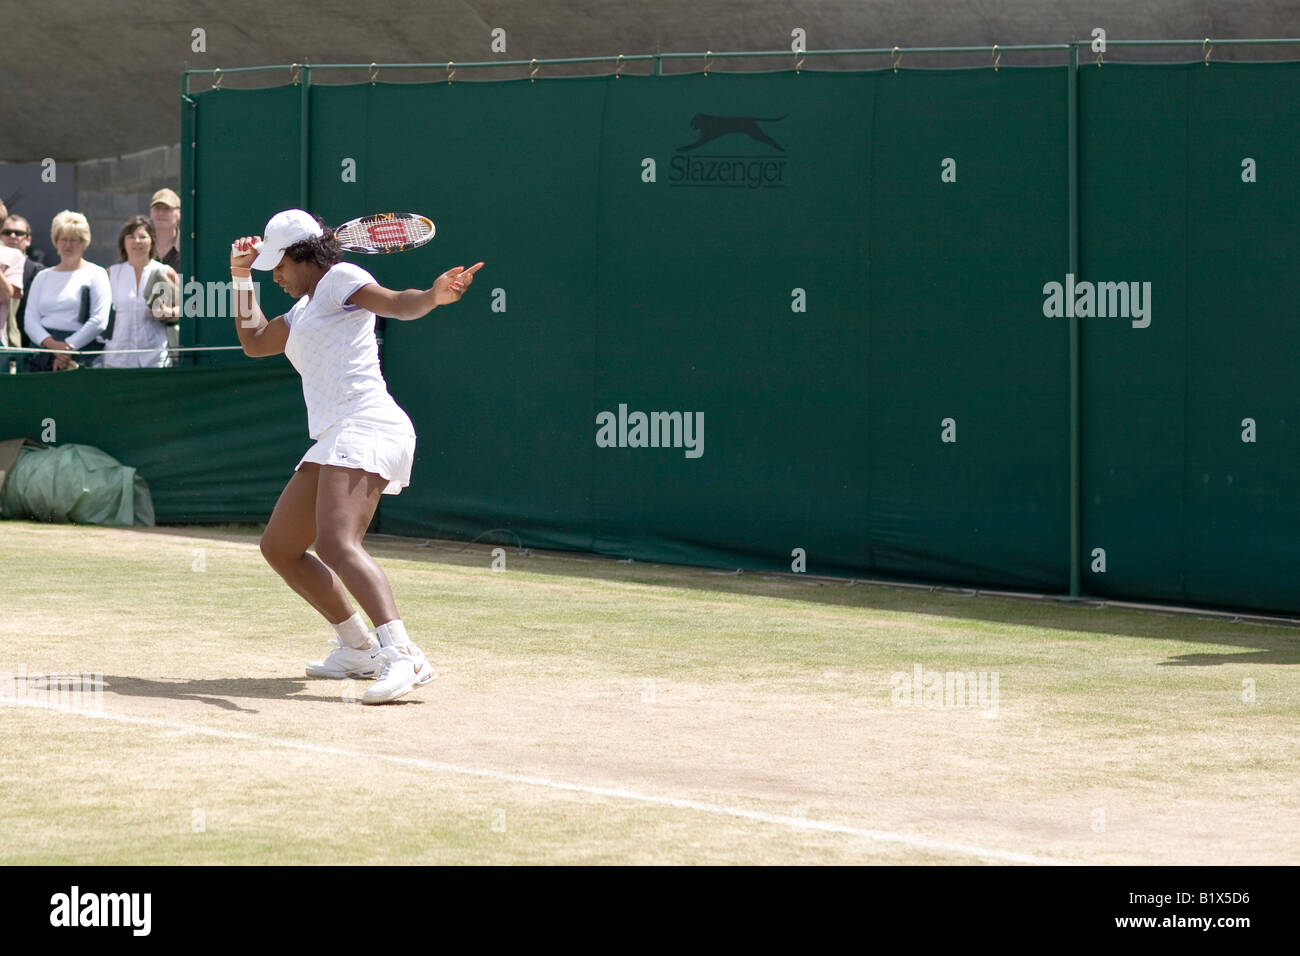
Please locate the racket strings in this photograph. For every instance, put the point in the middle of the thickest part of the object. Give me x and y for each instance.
(381, 231)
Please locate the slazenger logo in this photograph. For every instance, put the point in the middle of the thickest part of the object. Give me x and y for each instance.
(1086, 300)
(651, 430)
(102, 909)
(711, 127)
(756, 169)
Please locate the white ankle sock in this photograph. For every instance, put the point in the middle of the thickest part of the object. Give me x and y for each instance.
(353, 632)
(394, 632)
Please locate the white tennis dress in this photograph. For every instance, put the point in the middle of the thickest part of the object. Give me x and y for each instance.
(355, 422)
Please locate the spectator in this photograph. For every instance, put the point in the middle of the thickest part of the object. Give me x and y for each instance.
(16, 233)
(146, 294)
(165, 210)
(11, 291)
(67, 307)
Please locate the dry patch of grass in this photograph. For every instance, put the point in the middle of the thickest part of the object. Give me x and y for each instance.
(1115, 736)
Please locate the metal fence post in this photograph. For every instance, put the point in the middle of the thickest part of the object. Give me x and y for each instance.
(1072, 162)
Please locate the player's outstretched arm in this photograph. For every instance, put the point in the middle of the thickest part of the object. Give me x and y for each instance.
(414, 303)
(258, 336)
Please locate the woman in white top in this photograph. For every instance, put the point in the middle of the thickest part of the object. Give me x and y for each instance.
(364, 446)
(54, 317)
(144, 292)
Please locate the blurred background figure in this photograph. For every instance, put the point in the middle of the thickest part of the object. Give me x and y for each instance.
(165, 211)
(11, 291)
(68, 304)
(146, 298)
(16, 233)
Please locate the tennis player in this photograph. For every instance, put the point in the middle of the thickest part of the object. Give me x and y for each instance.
(364, 442)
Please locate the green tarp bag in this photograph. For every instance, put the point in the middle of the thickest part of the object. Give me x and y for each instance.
(72, 483)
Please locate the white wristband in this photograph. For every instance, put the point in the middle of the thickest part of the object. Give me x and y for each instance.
(241, 282)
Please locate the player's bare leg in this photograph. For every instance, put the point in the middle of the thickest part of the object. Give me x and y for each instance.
(346, 499)
(289, 534)
(284, 544)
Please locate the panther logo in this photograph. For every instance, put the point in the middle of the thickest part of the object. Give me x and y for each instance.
(712, 127)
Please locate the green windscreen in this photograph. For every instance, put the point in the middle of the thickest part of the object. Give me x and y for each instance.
(1191, 423)
(780, 258)
(214, 444)
(815, 322)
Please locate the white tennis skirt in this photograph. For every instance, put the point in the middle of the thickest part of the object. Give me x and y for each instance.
(381, 448)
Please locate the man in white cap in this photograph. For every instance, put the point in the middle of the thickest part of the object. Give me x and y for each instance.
(364, 442)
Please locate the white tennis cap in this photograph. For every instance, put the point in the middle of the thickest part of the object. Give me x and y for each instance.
(284, 229)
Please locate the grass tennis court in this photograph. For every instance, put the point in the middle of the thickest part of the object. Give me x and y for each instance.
(591, 711)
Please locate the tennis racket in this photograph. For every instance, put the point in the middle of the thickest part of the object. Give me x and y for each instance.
(385, 232)
(382, 232)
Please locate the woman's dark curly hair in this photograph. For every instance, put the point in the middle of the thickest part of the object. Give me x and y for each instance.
(323, 251)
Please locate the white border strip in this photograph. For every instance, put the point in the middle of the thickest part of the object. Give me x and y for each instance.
(795, 823)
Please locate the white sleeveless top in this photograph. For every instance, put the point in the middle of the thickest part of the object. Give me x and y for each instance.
(135, 326)
(333, 347)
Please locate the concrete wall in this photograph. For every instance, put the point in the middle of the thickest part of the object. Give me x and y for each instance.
(109, 191)
(36, 192)
(98, 79)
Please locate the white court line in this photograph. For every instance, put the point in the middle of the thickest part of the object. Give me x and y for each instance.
(795, 823)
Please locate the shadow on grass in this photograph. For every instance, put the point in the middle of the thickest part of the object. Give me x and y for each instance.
(221, 693)
(1265, 643)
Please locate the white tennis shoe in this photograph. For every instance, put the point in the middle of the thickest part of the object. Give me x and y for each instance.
(403, 667)
(346, 661)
